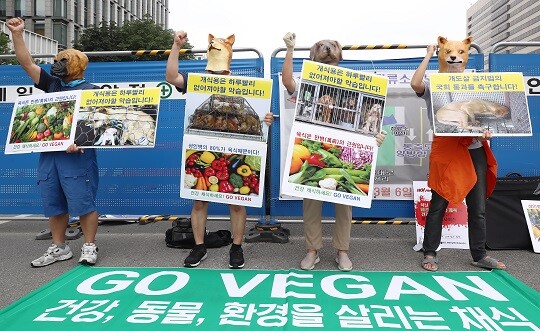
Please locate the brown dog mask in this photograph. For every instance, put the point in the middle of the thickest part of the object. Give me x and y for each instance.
(453, 55)
(326, 51)
(77, 62)
(219, 54)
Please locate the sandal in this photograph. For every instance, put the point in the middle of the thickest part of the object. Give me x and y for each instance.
(428, 259)
(488, 263)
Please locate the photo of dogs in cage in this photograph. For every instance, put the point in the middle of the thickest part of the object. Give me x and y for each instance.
(339, 108)
(471, 113)
(123, 126)
(226, 116)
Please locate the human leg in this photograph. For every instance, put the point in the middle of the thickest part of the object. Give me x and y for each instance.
(80, 190)
(312, 224)
(476, 210)
(312, 232)
(342, 236)
(58, 250)
(58, 225)
(89, 226)
(199, 213)
(238, 225)
(433, 230)
(55, 208)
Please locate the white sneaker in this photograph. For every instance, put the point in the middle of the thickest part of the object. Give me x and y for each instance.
(53, 254)
(309, 262)
(343, 261)
(88, 254)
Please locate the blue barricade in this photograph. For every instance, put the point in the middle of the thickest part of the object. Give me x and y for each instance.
(520, 154)
(379, 208)
(132, 181)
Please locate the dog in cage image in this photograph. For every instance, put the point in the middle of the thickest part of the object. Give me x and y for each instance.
(305, 104)
(116, 126)
(226, 115)
(467, 112)
(372, 111)
(348, 110)
(326, 102)
(474, 114)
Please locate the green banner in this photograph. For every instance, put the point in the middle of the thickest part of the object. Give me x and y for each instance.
(95, 298)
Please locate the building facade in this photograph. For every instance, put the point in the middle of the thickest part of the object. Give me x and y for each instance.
(65, 20)
(493, 21)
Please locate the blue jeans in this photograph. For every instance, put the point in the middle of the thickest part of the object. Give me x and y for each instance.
(476, 211)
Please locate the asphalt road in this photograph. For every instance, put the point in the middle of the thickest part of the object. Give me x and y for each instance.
(130, 244)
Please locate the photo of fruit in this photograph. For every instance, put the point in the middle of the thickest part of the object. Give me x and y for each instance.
(534, 217)
(221, 172)
(42, 122)
(330, 166)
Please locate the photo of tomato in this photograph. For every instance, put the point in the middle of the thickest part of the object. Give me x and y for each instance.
(220, 172)
(42, 122)
(330, 166)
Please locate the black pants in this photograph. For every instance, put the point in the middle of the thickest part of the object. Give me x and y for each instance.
(476, 210)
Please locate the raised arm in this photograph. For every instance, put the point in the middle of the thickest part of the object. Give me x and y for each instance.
(417, 80)
(16, 26)
(287, 69)
(171, 74)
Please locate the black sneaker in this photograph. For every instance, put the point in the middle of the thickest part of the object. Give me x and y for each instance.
(196, 256)
(236, 260)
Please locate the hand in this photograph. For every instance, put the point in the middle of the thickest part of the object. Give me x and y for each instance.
(180, 38)
(379, 138)
(15, 24)
(486, 135)
(74, 149)
(290, 40)
(431, 49)
(269, 119)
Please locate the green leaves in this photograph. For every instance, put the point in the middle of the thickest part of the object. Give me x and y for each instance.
(142, 34)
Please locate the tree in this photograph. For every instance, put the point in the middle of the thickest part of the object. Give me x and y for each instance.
(5, 49)
(142, 34)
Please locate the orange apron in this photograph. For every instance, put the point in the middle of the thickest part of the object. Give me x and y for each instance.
(451, 171)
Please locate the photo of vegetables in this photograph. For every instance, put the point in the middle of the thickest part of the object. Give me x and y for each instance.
(330, 166)
(42, 122)
(220, 172)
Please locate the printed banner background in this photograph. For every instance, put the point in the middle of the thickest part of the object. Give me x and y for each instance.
(194, 299)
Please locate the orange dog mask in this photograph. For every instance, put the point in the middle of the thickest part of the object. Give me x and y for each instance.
(69, 64)
(453, 55)
(219, 54)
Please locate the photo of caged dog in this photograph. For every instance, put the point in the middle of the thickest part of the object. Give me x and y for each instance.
(115, 126)
(327, 104)
(372, 118)
(463, 113)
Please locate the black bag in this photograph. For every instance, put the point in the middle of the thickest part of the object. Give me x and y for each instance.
(180, 235)
(506, 225)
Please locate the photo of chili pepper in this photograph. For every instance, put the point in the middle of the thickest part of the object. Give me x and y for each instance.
(222, 172)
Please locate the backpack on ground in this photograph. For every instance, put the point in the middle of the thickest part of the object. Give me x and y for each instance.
(180, 235)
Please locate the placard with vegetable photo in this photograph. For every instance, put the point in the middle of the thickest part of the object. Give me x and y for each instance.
(531, 209)
(42, 123)
(220, 171)
(322, 167)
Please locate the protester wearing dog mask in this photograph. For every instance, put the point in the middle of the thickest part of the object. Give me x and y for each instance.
(328, 52)
(62, 198)
(460, 168)
(219, 55)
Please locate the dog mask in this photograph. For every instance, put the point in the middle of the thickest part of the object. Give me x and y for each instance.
(453, 55)
(69, 64)
(219, 54)
(326, 51)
